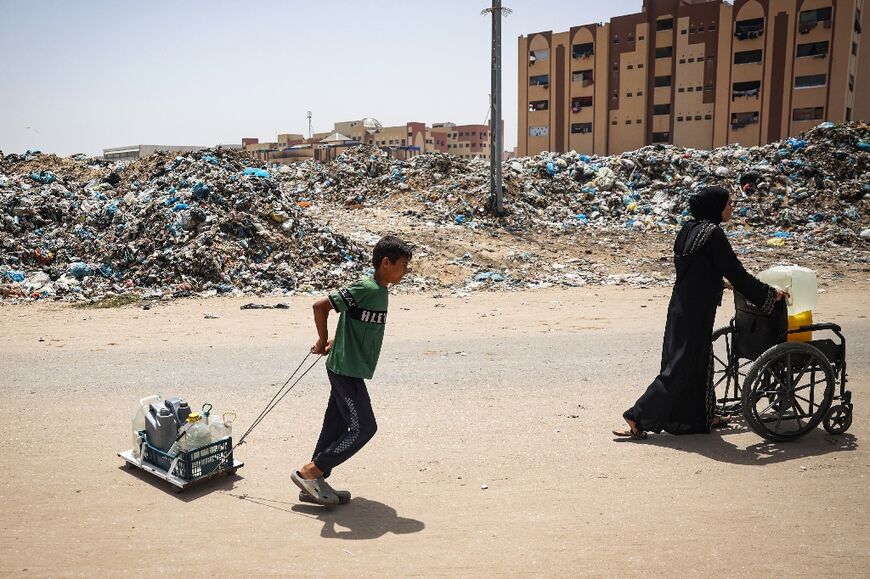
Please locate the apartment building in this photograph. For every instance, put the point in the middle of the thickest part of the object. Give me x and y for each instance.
(694, 73)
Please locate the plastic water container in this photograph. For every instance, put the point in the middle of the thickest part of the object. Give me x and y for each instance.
(799, 282)
(798, 320)
(802, 286)
(139, 419)
(179, 408)
(160, 426)
(198, 433)
(221, 426)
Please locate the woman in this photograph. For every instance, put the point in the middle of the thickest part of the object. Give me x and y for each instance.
(681, 398)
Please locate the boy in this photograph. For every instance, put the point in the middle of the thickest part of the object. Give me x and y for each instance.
(349, 422)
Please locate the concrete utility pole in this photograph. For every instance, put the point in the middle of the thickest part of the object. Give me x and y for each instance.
(496, 145)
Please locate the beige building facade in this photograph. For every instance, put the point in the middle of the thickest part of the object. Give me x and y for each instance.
(693, 73)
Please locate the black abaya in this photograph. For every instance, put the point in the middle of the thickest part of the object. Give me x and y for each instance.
(680, 400)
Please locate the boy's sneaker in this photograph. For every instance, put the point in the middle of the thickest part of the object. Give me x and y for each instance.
(317, 489)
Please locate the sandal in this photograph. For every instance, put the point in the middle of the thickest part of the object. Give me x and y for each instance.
(720, 422)
(633, 434)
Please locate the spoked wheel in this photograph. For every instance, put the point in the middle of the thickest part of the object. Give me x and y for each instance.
(729, 372)
(788, 391)
(838, 419)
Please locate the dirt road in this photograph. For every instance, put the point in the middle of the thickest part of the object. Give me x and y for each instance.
(493, 457)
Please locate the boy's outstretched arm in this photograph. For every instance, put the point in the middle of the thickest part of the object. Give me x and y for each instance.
(321, 309)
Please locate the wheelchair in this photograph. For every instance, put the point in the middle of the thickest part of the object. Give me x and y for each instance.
(784, 389)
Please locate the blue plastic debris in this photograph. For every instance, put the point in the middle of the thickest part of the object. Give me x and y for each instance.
(255, 172)
(782, 234)
(14, 275)
(489, 276)
(863, 146)
(201, 191)
(80, 270)
(796, 144)
(44, 177)
(459, 219)
(181, 207)
(210, 159)
(552, 169)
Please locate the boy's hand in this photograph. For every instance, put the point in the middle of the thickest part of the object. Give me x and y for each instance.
(321, 347)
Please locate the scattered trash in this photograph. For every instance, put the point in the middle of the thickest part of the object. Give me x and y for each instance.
(211, 316)
(281, 306)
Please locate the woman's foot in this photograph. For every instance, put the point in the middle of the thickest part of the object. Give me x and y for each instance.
(633, 431)
(720, 421)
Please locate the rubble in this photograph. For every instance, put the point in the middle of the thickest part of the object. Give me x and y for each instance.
(218, 221)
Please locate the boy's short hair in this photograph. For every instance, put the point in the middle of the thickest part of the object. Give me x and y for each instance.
(390, 247)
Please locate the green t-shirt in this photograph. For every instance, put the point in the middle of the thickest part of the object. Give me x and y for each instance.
(360, 331)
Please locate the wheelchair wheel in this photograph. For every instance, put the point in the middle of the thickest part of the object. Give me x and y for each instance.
(788, 391)
(728, 372)
(838, 419)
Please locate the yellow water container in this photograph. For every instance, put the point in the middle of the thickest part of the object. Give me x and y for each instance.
(798, 320)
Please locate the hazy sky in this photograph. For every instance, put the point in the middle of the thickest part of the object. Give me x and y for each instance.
(80, 76)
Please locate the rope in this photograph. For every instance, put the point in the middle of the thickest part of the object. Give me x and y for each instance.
(278, 397)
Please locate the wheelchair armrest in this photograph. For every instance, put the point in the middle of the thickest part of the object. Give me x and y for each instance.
(815, 327)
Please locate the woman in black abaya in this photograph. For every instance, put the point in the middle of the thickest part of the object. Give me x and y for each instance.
(680, 400)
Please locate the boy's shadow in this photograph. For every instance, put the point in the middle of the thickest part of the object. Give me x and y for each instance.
(361, 519)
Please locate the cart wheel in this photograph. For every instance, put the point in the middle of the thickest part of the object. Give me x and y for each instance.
(728, 372)
(788, 391)
(838, 419)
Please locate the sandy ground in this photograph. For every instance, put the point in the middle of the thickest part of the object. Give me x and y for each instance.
(494, 455)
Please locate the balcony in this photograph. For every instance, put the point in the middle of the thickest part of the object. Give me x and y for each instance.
(542, 80)
(809, 19)
(582, 76)
(585, 50)
(579, 103)
(740, 120)
(747, 89)
(749, 29)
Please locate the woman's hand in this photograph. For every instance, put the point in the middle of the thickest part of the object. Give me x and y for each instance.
(782, 294)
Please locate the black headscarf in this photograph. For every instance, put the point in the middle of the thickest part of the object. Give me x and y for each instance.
(706, 207)
(708, 204)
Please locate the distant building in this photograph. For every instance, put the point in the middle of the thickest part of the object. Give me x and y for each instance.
(133, 152)
(401, 141)
(693, 73)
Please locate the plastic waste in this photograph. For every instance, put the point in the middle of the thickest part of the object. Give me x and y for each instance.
(138, 424)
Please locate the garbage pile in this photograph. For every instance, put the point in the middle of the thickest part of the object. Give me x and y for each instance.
(814, 187)
(218, 221)
(207, 222)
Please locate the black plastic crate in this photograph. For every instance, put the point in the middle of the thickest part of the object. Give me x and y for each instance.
(195, 463)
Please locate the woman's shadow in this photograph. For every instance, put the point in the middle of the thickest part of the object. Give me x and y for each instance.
(360, 519)
(717, 446)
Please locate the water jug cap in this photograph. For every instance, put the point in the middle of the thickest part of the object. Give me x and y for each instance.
(164, 412)
(183, 404)
(193, 417)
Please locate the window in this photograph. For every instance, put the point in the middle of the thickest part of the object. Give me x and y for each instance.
(681, 89)
(683, 31)
(584, 76)
(637, 121)
(631, 37)
(581, 128)
(640, 93)
(630, 67)
(629, 94)
(578, 103)
(697, 89)
(661, 81)
(697, 117)
(854, 49)
(808, 114)
(809, 19)
(641, 37)
(814, 49)
(690, 89)
(708, 87)
(537, 55)
(664, 52)
(539, 105)
(682, 61)
(665, 24)
(851, 82)
(615, 39)
(663, 137)
(712, 27)
(613, 122)
(679, 119)
(740, 120)
(540, 80)
(691, 60)
(810, 80)
(627, 121)
(640, 65)
(749, 88)
(748, 57)
(749, 29)
(691, 30)
(537, 132)
(582, 50)
(664, 109)
(708, 117)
